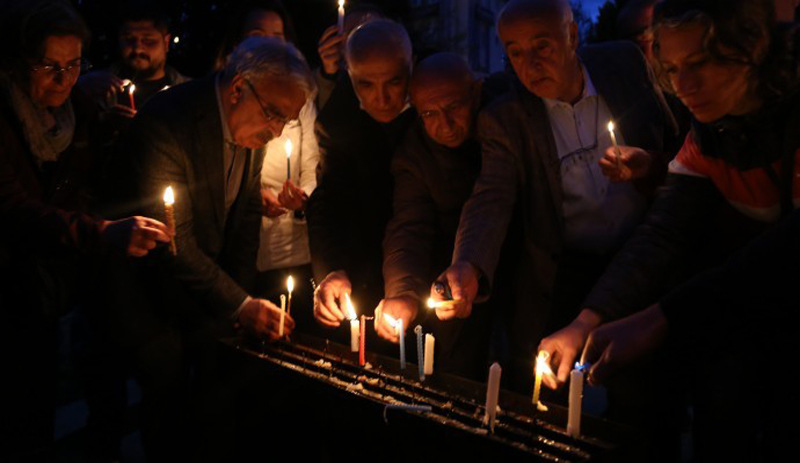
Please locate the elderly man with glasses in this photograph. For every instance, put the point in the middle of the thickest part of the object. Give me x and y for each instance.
(206, 140)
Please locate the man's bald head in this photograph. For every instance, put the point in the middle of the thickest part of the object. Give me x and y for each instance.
(441, 69)
(378, 38)
(445, 93)
(517, 10)
(378, 55)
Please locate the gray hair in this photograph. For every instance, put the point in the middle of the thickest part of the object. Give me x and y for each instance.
(380, 36)
(257, 58)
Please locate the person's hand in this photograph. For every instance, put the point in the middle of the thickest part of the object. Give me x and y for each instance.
(330, 50)
(135, 236)
(121, 112)
(400, 308)
(462, 277)
(620, 343)
(291, 197)
(329, 299)
(101, 86)
(634, 163)
(263, 318)
(270, 207)
(564, 346)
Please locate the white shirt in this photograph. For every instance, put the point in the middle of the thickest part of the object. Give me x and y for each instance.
(284, 239)
(598, 215)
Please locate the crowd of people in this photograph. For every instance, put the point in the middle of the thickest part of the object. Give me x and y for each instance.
(629, 205)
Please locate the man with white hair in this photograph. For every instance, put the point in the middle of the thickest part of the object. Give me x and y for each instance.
(358, 131)
(206, 140)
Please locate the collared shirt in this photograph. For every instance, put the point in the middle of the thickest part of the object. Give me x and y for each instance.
(598, 215)
(233, 157)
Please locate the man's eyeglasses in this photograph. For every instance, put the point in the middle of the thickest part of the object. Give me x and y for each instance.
(270, 115)
(71, 70)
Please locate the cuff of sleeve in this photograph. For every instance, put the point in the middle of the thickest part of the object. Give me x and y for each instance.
(235, 314)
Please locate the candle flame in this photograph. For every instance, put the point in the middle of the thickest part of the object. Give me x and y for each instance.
(432, 304)
(169, 196)
(288, 147)
(542, 363)
(391, 320)
(132, 89)
(290, 284)
(351, 311)
(341, 3)
(610, 126)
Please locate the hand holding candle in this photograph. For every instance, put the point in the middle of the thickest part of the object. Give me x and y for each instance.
(169, 211)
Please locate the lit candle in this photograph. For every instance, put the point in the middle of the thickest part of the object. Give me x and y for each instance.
(131, 89)
(398, 326)
(575, 399)
(362, 347)
(542, 367)
(429, 342)
(354, 324)
(420, 353)
(616, 146)
(288, 147)
(432, 303)
(283, 315)
(290, 287)
(492, 394)
(169, 209)
(341, 17)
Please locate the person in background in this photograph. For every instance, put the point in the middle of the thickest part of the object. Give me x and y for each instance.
(144, 41)
(635, 22)
(331, 48)
(283, 248)
(49, 242)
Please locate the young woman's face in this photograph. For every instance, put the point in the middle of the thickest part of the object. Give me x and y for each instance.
(710, 89)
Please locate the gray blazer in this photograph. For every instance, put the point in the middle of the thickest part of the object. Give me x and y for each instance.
(176, 139)
(520, 169)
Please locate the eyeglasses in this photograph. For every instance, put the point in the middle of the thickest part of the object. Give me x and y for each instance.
(71, 70)
(270, 115)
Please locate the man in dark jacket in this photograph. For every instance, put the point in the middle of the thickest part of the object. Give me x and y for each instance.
(434, 171)
(358, 131)
(547, 150)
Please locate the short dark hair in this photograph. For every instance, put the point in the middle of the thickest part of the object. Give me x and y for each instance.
(27, 25)
(144, 10)
(737, 32)
(235, 33)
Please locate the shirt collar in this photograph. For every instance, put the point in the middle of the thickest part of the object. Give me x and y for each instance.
(223, 115)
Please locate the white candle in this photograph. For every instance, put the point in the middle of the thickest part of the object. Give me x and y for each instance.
(288, 147)
(618, 156)
(354, 324)
(492, 393)
(354, 335)
(283, 315)
(402, 334)
(290, 287)
(340, 23)
(575, 399)
(429, 342)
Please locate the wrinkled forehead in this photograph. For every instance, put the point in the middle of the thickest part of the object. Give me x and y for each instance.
(379, 66)
(139, 28)
(440, 91)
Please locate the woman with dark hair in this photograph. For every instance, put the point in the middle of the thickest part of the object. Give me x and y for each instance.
(736, 175)
(48, 160)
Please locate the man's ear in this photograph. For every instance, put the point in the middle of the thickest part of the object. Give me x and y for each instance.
(236, 88)
(573, 35)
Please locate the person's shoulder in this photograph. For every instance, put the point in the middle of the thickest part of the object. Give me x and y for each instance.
(176, 103)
